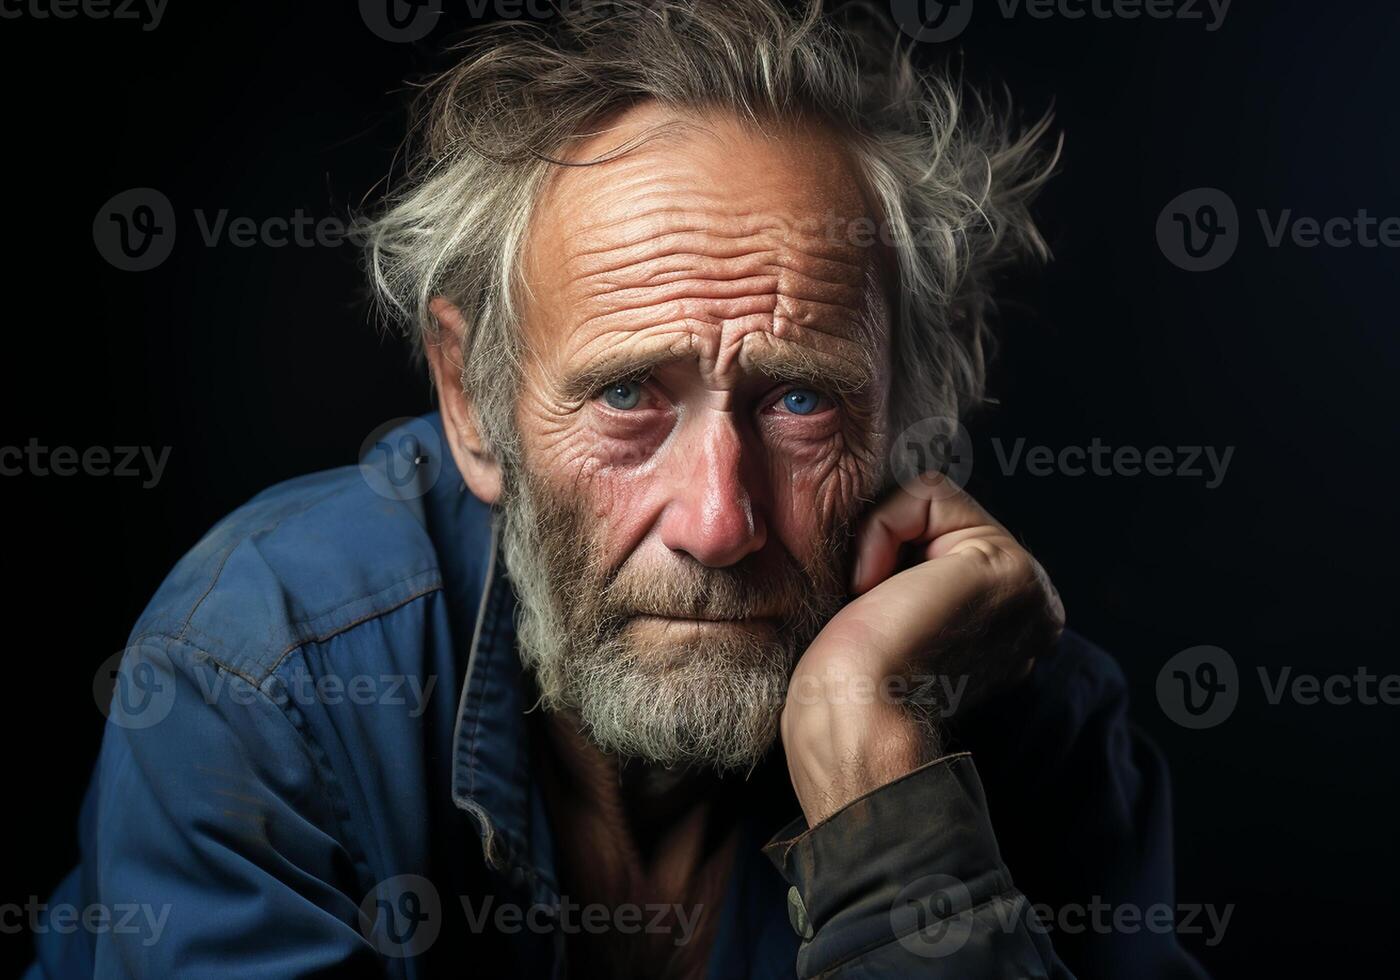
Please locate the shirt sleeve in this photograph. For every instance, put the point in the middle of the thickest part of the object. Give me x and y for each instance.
(907, 881)
(214, 841)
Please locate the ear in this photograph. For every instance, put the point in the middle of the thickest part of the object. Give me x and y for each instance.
(477, 466)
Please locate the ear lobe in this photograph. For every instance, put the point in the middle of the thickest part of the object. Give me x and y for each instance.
(478, 467)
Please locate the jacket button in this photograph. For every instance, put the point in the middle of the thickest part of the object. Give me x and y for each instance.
(797, 914)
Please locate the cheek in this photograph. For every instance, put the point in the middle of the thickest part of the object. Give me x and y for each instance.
(599, 474)
(823, 481)
(814, 492)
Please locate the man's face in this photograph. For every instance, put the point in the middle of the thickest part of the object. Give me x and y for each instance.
(701, 417)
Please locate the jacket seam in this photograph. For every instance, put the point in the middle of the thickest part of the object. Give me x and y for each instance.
(228, 553)
(329, 634)
(276, 663)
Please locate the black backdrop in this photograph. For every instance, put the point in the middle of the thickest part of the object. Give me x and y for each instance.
(258, 363)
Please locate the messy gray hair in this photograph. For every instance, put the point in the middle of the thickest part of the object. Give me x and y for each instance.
(950, 175)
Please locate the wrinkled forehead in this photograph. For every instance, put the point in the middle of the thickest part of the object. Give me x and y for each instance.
(692, 225)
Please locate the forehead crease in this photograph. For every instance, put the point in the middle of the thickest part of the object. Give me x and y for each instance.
(700, 212)
(735, 253)
(698, 274)
(663, 207)
(722, 319)
(638, 248)
(737, 292)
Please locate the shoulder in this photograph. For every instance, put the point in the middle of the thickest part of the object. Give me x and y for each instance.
(301, 561)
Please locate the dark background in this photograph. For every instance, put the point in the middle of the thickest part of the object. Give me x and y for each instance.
(256, 364)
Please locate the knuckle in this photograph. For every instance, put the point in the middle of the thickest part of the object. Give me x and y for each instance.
(1011, 565)
(1019, 567)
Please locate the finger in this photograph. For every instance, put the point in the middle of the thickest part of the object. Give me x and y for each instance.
(904, 517)
(923, 600)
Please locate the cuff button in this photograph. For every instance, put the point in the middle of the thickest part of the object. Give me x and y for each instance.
(797, 914)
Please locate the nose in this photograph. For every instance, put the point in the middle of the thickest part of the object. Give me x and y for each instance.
(710, 514)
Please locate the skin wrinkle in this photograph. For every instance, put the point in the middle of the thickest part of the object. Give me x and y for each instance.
(833, 276)
(770, 290)
(719, 341)
(731, 299)
(708, 226)
(668, 281)
(710, 492)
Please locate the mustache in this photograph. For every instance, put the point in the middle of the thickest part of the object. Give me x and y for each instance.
(690, 590)
(773, 588)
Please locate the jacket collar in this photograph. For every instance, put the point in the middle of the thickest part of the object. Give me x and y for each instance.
(491, 777)
(490, 751)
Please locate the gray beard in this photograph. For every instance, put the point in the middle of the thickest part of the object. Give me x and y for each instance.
(687, 699)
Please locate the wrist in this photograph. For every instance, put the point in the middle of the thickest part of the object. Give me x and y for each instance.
(835, 756)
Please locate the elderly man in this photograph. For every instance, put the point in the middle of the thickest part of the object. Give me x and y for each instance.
(663, 648)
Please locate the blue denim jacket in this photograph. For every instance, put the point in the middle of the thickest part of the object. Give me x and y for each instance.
(316, 762)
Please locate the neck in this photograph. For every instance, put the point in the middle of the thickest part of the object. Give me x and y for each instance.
(637, 804)
(628, 833)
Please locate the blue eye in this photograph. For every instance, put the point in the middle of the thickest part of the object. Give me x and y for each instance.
(802, 401)
(623, 395)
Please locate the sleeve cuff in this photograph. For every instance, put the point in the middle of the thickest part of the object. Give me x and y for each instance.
(922, 842)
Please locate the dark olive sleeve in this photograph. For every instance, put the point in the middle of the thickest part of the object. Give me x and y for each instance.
(908, 881)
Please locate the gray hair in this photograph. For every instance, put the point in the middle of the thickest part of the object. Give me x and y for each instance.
(951, 176)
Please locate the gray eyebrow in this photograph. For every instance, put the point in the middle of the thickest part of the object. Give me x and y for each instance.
(782, 363)
(615, 365)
